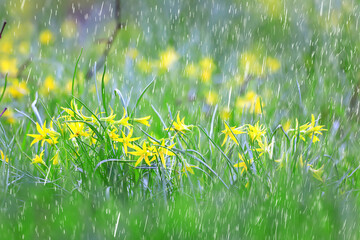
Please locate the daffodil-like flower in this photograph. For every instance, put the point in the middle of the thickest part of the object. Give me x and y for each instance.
(242, 164)
(264, 147)
(38, 159)
(189, 168)
(179, 126)
(124, 121)
(256, 132)
(77, 129)
(163, 150)
(144, 153)
(126, 140)
(309, 130)
(3, 157)
(230, 131)
(55, 159)
(143, 120)
(45, 135)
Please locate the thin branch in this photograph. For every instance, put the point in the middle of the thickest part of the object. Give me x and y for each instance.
(110, 40)
(3, 27)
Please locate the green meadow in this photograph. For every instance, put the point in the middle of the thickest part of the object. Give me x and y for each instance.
(223, 119)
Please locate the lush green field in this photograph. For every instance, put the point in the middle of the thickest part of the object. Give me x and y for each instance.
(179, 119)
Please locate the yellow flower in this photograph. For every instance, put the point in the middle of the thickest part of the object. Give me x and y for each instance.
(250, 102)
(45, 135)
(286, 126)
(55, 159)
(191, 71)
(38, 158)
(68, 28)
(8, 66)
(126, 140)
(163, 150)
(132, 53)
(189, 168)
(242, 164)
(179, 126)
(124, 121)
(251, 65)
(6, 46)
(309, 130)
(207, 64)
(3, 156)
(24, 47)
(49, 85)
(144, 153)
(77, 129)
(229, 132)
(144, 66)
(212, 98)
(205, 76)
(256, 132)
(9, 116)
(46, 37)
(143, 120)
(225, 113)
(168, 58)
(272, 64)
(18, 89)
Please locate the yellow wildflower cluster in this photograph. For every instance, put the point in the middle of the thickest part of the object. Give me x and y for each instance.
(251, 64)
(260, 144)
(250, 102)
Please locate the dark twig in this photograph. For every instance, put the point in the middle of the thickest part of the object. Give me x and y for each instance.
(3, 27)
(110, 40)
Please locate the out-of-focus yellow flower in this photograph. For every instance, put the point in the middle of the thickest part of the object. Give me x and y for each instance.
(46, 37)
(6, 46)
(225, 113)
(9, 116)
(3, 156)
(212, 98)
(251, 65)
(144, 66)
(272, 64)
(49, 85)
(18, 89)
(168, 58)
(24, 47)
(205, 76)
(99, 77)
(191, 70)
(38, 159)
(132, 53)
(208, 64)
(68, 28)
(8, 65)
(286, 126)
(250, 102)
